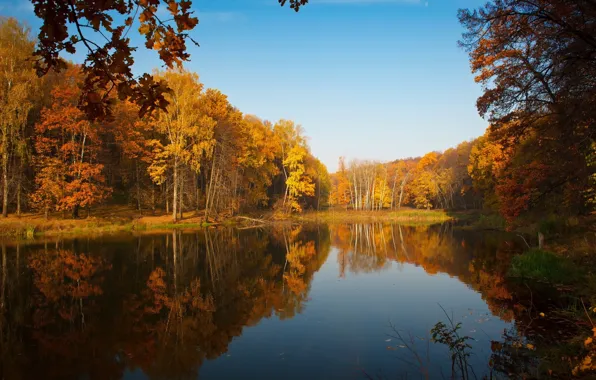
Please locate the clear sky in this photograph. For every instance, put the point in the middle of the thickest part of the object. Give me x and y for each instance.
(370, 79)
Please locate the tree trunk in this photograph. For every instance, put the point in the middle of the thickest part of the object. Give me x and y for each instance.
(401, 190)
(393, 191)
(5, 180)
(75, 212)
(153, 199)
(181, 196)
(175, 195)
(19, 197)
(138, 187)
(198, 191)
(167, 198)
(208, 199)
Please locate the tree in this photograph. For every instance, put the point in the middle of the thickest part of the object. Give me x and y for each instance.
(341, 189)
(535, 62)
(424, 186)
(132, 136)
(17, 81)
(67, 145)
(257, 160)
(188, 134)
(298, 183)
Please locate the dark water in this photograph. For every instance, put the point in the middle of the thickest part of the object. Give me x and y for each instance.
(309, 302)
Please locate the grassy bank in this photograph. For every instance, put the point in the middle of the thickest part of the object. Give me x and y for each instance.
(409, 216)
(102, 221)
(112, 219)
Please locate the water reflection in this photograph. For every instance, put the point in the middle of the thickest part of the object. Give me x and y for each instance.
(166, 304)
(477, 259)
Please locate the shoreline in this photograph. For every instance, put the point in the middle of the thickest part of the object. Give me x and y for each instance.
(112, 220)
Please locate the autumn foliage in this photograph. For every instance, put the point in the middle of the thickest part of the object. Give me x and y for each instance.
(67, 146)
(196, 152)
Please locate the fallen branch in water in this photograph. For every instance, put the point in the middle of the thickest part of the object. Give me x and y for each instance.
(262, 221)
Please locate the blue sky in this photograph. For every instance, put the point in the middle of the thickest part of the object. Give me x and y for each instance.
(369, 79)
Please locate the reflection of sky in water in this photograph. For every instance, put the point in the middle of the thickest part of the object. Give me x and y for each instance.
(133, 313)
(343, 328)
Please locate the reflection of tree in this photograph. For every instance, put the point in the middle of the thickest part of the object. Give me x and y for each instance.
(65, 310)
(305, 252)
(438, 249)
(162, 304)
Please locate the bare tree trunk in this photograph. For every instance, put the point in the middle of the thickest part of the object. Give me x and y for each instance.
(393, 191)
(5, 177)
(181, 196)
(197, 189)
(138, 186)
(209, 189)
(153, 198)
(401, 190)
(167, 198)
(19, 196)
(175, 195)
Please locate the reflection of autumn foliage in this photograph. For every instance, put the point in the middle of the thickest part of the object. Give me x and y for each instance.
(62, 275)
(298, 256)
(66, 301)
(162, 305)
(438, 249)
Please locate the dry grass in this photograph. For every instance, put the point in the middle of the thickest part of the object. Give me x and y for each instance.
(111, 219)
(405, 215)
(107, 219)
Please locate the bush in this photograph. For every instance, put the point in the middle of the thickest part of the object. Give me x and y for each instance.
(541, 265)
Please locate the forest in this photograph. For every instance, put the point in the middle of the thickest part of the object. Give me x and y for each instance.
(72, 141)
(81, 139)
(199, 153)
(537, 158)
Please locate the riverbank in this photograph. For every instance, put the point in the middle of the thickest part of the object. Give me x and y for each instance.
(406, 215)
(113, 219)
(108, 219)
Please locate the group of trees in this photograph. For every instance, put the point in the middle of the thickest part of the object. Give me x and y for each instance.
(197, 153)
(535, 61)
(436, 180)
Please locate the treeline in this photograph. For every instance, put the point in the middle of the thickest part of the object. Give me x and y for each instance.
(436, 180)
(535, 61)
(199, 153)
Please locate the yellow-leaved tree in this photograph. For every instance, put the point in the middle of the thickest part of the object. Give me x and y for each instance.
(188, 133)
(17, 81)
(425, 186)
(298, 183)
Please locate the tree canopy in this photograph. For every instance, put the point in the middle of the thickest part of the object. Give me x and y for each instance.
(102, 30)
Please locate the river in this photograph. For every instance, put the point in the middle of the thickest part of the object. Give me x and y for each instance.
(291, 302)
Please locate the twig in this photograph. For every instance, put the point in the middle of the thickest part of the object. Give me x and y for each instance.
(521, 236)
(586, 310)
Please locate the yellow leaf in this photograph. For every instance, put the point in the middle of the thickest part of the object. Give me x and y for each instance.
(530, 346)
(542, 314)
(588, 341)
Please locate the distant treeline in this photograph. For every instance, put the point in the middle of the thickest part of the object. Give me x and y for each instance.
(535, 61)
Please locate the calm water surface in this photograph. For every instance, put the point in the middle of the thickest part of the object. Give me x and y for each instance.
(300, 302)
